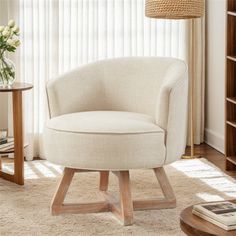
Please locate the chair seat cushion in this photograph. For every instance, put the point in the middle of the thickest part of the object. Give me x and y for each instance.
(105, 140)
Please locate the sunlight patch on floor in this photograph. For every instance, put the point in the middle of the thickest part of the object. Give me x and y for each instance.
(44, 171)
(209, 197)
(57, 168)
(7, 169)
(37, 169)
(197, 169)
(208, 174)
(194, 169)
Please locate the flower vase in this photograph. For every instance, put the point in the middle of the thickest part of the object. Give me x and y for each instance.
(7, 71)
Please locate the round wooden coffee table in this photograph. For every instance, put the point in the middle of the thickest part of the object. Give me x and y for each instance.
(193, 225)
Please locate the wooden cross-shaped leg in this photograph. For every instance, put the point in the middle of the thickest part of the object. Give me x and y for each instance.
(124, 209)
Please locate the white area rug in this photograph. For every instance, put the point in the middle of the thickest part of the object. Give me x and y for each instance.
(24, 210)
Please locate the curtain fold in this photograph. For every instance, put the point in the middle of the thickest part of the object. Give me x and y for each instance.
(60, 35)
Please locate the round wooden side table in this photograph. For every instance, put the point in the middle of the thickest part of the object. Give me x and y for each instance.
(193, 225)
(16, 89)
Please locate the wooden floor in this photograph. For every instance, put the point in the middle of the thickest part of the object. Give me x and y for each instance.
(213, 156)
(203, 150)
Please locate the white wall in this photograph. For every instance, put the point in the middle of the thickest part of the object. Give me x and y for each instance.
(215, 74)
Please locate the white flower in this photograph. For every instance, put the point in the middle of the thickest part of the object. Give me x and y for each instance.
(1, 28)
(16, 29)
(7, 28)
(11, 42)
(5, 33)
(16, 43)
(11, 23)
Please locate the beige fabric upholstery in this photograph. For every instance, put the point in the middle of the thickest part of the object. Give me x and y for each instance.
(104, 122)
(118, 114)
(105, 140)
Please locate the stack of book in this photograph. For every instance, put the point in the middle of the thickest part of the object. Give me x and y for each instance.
(222, 214)
(6, 144)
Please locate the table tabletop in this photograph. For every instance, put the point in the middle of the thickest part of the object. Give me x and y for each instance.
(193, 225)
(16, 87)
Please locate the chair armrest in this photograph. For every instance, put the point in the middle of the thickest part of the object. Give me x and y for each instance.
(172, 112)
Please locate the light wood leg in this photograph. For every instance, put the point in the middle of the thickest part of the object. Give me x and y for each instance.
(62, 189)
(104, 179)
(125, 198)
(164, 183)
(58, 206)
(168, 201)
(18, 138)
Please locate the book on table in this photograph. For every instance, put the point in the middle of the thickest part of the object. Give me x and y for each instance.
(6, 146)
(222, 214)
(3, 141)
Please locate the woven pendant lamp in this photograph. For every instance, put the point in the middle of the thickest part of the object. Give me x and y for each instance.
(175, 9)
(179, 9)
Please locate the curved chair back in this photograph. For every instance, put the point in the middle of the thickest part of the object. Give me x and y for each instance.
(123, 84)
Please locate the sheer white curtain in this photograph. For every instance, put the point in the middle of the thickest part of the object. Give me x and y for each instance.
(58, 35)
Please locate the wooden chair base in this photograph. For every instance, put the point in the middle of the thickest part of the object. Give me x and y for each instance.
(123, 210)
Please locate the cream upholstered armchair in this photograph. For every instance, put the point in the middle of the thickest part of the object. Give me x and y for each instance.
(113, 116)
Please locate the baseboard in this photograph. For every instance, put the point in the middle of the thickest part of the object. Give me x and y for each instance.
(215, 140)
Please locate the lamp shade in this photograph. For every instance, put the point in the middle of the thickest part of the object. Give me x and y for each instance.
(175, 9)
